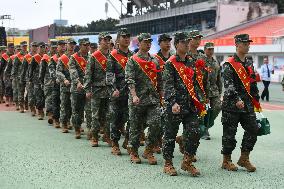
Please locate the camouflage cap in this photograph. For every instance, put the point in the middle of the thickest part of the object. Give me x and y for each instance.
(34, 43)
(144, 37)
(180, 36)
(71, 41)
(10, 45)
(123, 31)
(195, 33)
(53, 43)
(164, 37)
(2, 48)
(61, 42)
(18, 47)
(41, 44)
(94, 45)
(84, 41)
(209, 45)
(242, 38)
(24, 43)
(104, 35)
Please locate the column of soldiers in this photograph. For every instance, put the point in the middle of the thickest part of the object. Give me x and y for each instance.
(123, 93)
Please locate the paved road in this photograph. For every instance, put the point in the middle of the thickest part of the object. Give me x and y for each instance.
(35, 155)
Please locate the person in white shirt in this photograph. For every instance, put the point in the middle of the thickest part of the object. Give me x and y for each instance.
(266, 70)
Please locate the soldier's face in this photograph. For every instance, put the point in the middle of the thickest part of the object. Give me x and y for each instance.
(24, 48)
(124, 41)
(145, 45)
(34, 49)
(92, 49)
(42, 50)
(243, 47)
(70, 47)
(85, 48)
(195, 42)
(105, 43)
(11, 49)
(165, 45)
(61, 48)
(209, 52)
(183, 46)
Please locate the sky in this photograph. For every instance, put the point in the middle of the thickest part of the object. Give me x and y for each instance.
(30, 14)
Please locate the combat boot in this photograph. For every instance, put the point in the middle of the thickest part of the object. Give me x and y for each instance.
(56, 123)
(22, 109)
(82, 130)
(187, 165)
(40, 114)
(134, 157)
(142, 139)
(169, 168)
(157, 149)
(17, 107)
(33, 111)
(244, 162)
(26, 106)
(148, 154)
(77, 133)
(180, 143)
(115, 149)
(69, 125)
(50, 119)
(227, 163)
(94, 142)
(107, 139)
(65, 128)
(89, 134)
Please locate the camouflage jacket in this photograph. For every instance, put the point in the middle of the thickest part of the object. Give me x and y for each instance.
(234, 90)
(33, 72)
(17, 66)
(115, 74)
(52, 68)
(136, 78)
(214, 78)
(77, 74)
(24, 71)
(162, 56)
(95, 78)
(44, 75)
(8, 69)
(175, 89)
(62, 74)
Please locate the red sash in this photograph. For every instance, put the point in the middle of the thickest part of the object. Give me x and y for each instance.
(20, 57)
(81, 61)
(200, 64)
(101, 59)
(186, 75)
(13, 57)
(149, 68)
(5, 57)
(37, 58)
(65, 60)
(245, 79)
(28, 58)
(55, 58)
(161, 61)
(46, 58)
(122, 60)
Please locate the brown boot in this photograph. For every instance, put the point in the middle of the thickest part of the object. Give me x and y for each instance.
(82, 130)
(157, 149)
(17, 107)
(148, 154)
(125, 143)
(134, 157)
(56, 123)
(227, 163)
(69, 125)
(50, 119)
(115, 149)
(40, 114)
(180, 143)
(33, 111)
(77, 133)
(187, 165)
(94, 142)
(169, 168)
(142, 139)
(89, 134)
(107, 139)
(64, 128)
(22, 109)
(244, 162)
(26, 106)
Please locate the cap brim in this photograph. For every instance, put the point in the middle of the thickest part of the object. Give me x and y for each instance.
(148, 39)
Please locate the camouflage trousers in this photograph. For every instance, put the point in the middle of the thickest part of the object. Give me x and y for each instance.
(8, 88)
(139, 116)
(31, 95)
(15, 87)
(118, 110)
(39, 96)
(213, 112)
(2, 87)
(230, 121)
(21, 93)
(100, 116)
(77, 103)
(88, 113)
(55, 98)
(65, 107)
(191, 133)
(48, 98)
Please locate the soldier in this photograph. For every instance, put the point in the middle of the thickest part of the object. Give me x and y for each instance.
(115, 79)
(24, 76)
(240, 100)
(7, 82)
(182, 106)
(95, 85)
(215, 88)
(33, 77)
(144, 81)
(3, 50)
(77, 67)
(63, 75)
(93, 47)
(16, 72)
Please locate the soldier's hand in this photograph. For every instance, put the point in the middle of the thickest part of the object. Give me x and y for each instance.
(66, 82)
(79, 86)
(135, 100)
(176, 108)
(88, 95)
(240, 104)
(115, 93)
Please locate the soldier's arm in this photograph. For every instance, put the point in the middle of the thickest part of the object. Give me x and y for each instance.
(23, 71)
(159, 79)
(42, 71)
(73, 69)
(169, 84)
(130, 76)
(110, 74)
(206, 82)
(31, 71)
(7, 71)
(52, 70)
(253, 86)
(89, 75)
(14, 67)
(60, 72)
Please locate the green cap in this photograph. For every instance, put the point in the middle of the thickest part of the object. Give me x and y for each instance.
(2, 48)
(195, 33)
(94, 45)
(209, 45)
(84, 41)
(242, 38)
(144, 37)
(71, 41)
(123, 31)
(41, 44)
(164, 37)
(180, 36)
(61, 42)
(34, 43)
(103, 35)
(53, 43)
(18, 47)
(10, 45)
(24, 43)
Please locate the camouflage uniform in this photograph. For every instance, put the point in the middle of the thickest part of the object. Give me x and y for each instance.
(8, 79)
(234, 91)
(148, 110)
(2, 67)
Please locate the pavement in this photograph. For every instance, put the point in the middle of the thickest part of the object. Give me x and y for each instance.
(35, 155)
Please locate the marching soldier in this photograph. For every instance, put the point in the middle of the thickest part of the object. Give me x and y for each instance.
(95, 85)
(144, 81)
(3, 50)
(77, 67)
(115, 79)
(240, 101)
